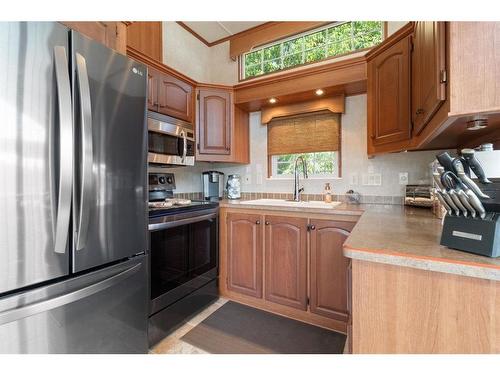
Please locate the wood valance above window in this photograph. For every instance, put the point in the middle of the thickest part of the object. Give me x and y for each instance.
(314, 132)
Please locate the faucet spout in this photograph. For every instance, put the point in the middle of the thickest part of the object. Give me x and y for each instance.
(297, 190)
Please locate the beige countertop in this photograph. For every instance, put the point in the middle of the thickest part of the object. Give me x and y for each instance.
(398, 235)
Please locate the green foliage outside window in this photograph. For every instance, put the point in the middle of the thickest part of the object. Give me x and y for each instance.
(318, 163)
(318, 45)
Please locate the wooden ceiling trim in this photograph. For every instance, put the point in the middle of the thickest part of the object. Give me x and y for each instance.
(225, 39)
(347, 76)
(266, 33)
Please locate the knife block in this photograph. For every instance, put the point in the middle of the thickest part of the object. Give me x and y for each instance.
(473, 235)
(493, 190)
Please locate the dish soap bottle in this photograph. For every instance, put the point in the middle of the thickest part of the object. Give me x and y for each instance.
(327, 194)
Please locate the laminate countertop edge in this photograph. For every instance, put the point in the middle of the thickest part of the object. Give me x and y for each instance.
(410, 238)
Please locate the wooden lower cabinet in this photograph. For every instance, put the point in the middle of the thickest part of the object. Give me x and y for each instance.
(290, 264)
(286, 261)
(244, 255)
(329, 279)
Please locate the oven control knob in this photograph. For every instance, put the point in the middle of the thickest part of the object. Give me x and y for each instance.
(169, 180)
(161, 180)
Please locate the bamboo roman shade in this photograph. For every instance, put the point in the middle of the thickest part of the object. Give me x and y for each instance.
(305, 133)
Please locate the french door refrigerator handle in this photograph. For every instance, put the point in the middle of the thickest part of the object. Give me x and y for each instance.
(18, 313)
(65, 150)
(87, 177)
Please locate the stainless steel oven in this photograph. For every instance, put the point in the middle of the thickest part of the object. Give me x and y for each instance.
(170, 141)
(184, 254)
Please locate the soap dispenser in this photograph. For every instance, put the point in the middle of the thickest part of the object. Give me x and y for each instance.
(327, 194)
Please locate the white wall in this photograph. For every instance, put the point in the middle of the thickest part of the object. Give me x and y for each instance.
(354, 161)
(187, 54)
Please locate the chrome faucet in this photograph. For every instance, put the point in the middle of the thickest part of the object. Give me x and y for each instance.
(297, 190)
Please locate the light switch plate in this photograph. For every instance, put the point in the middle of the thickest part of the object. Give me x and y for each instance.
(371, 179)
(403, 178)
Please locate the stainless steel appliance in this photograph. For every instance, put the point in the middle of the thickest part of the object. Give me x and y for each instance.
(73, 226)
(418, 195)
(184, 257)
(170, 141)
(213, 185)
(233, 186)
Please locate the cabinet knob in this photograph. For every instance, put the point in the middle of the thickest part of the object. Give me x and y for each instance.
(419, 111)
(257, 222)
(312, 227)
(267, 223)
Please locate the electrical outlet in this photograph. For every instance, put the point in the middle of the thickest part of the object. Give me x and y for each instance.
(353, 179)
(403, 178)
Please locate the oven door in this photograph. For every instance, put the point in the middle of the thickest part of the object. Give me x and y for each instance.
(184, 257)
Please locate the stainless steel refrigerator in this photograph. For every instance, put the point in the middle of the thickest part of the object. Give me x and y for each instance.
(73, 198)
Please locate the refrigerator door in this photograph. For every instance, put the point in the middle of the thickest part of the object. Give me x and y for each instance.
(110, 190)
(36, 155)
(104, 311)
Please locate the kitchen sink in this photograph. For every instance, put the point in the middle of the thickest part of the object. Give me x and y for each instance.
(289, 203)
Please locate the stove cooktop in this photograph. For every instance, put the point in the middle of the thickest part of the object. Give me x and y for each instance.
(193, 206)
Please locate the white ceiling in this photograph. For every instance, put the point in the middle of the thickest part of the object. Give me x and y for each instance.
(215, 30)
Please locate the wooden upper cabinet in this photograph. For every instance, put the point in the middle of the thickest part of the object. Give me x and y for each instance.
(244, 254)
(146, 38)
(111, 34)
(214, 122)
(389, 95)
(329, 268)
(175, 97)
(153, 83)
(428, 72)
(286, 261)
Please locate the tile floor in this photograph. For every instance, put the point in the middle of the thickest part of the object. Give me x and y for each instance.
(173, 344)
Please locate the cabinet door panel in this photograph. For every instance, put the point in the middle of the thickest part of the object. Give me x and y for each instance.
(214, 122)
(428, 61)
(111, 34)
(175, 98)
(286, 261)
(389, 95)
(244, 254)
(329, 268)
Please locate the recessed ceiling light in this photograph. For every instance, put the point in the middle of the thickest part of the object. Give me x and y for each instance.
(319, 92)
(273, 100)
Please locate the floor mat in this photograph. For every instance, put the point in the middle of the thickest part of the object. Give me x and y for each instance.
(240, 329)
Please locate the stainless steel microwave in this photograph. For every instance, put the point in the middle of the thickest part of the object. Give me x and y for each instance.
(170, 141)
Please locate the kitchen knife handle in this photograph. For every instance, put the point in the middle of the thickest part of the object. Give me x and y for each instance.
(474, 164)
(446, 161)
(472, 185)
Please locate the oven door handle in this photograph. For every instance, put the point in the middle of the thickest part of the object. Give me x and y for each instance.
(176, 223)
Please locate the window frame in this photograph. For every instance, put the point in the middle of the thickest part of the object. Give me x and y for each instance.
(241, 60)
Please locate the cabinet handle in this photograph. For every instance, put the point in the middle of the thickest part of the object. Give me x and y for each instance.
(267, 223)
(419, 111)
(257, 222)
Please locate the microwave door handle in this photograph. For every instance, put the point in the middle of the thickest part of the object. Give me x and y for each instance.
(87, 176)
(184, 148)
(63, 208)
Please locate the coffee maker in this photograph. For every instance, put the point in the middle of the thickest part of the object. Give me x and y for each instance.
(213, 185)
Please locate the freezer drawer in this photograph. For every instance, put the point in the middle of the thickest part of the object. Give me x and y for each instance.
(101, 312)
